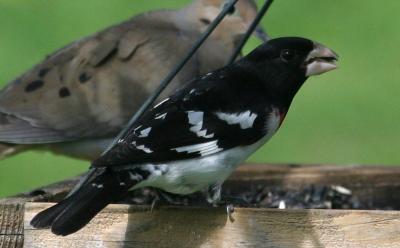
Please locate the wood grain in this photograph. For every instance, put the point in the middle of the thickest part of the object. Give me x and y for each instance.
(11, 225)
(129, 226)
(135, 226)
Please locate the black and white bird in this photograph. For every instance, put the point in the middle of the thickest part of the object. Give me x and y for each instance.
(194, 139)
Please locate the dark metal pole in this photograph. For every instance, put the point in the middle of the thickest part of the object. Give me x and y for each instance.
(227, 8)
(250, 30)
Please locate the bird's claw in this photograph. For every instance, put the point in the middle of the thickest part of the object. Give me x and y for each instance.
(153, 204)
(230, 209)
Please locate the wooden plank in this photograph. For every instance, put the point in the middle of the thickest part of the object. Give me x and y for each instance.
(133, 226)
(370, 182)
(363, 180)
(11, 225)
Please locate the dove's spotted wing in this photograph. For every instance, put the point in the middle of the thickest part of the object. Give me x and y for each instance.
(92, 87)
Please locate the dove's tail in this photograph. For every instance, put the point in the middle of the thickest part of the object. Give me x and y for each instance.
(99, 188)
(14, 130)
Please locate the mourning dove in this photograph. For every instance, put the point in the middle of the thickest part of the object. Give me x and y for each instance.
(77, 99)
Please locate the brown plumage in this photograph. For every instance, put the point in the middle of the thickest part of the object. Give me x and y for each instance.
(77, 99)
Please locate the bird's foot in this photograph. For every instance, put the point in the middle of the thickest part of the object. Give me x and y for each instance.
(214, 198)
(230, 202)
(230, 209)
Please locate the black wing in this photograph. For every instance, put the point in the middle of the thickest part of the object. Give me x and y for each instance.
(198, 120)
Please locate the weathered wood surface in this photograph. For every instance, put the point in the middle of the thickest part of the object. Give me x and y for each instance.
(357, 228)
(364, 180)
(11, 225)
(128, 226)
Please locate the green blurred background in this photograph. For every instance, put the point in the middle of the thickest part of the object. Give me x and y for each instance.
(348, 116)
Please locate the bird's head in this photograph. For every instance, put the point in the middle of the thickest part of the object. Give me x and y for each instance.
(298, 55)
(285, 63)
(234, 24)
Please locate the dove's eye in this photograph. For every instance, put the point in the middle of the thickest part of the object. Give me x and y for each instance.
(231, 11)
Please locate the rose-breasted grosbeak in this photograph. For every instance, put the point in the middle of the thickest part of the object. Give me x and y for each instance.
(194, 139)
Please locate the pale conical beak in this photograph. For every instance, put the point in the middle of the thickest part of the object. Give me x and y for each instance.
(260, 33)
(320, 60)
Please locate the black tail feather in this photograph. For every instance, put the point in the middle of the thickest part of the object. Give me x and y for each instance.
(101, 188)
(77, 214)
(45, 218)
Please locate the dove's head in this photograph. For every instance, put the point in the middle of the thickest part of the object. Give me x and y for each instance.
(233, 26)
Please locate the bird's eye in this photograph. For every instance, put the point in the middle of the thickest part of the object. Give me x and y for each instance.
(231, 11)
(288, 55)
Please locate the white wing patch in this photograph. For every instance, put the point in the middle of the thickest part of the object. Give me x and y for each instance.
(196, 120)
(160, 116)
(207, 75)
(204, 149)
(244, 119)
(137, 128)
(159, 104)
(142, 147)
(145, 132)
(195, 117)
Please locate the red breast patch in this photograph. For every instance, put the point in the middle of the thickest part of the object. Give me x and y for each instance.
(282, 115)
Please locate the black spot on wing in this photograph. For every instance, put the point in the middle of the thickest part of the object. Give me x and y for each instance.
(34, 85)
(205, 21)
(64, 92)
(43, 72)
(84, 77)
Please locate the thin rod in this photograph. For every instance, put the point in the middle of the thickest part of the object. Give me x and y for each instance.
(250, 30)
(227, 8)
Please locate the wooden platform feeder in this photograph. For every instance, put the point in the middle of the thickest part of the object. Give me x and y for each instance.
(173, 226)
